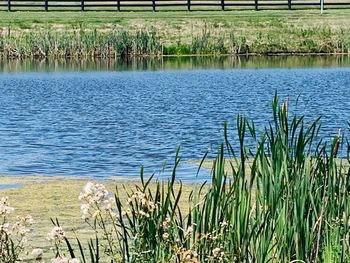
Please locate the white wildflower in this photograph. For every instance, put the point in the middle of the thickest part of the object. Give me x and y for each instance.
(5, 209)
(108, 204)
(189, 231)
(165, 223)
(224, 224)
(56, 233)
(20, 229)
(89, 187)
(165, 236)
(85, 211)
(216, 252)
(96, 214)
(143, 213)
(140, 197)
(6, 228)
(93, 193)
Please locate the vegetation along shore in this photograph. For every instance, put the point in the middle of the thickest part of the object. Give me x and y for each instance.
(109, 35)
(285, 199)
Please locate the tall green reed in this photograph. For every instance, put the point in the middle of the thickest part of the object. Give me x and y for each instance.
(78, 42)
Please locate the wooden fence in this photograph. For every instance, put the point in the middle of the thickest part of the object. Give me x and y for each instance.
(190, 5)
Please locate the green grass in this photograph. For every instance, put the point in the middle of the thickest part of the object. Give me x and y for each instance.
(177, 20)
(66, 17)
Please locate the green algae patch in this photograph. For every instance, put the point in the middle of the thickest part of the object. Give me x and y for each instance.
(45, 197)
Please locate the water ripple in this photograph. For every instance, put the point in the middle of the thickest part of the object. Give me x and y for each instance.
(110, 123)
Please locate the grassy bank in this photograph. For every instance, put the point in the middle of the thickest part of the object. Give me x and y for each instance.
(286, 199)
(106, 34)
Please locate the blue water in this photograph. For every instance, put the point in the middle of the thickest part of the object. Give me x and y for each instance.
(110, 123)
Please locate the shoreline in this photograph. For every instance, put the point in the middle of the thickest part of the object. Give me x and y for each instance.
(93, 35)
(147, 56)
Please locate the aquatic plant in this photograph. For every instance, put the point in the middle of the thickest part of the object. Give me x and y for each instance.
(79, 43)
(115, 42)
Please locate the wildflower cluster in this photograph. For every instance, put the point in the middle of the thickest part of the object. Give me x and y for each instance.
(188, 256)
(13, 235)
(98, 206)
(139, 200)
(5, 209)
(56, 234)
(96, 201)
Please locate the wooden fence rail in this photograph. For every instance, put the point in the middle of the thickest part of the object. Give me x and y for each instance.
(128, 5)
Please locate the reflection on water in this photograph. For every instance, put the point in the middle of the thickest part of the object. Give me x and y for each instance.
(164, 63)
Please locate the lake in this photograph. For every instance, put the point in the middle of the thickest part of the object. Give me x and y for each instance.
(75, 119)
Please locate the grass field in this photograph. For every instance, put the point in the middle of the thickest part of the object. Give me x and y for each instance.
(180, 20)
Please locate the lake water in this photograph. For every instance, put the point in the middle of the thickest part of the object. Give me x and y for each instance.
(103, 122)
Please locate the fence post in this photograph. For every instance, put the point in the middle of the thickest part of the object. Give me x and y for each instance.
(189, 5)
(46, 5)
(9, 5)
(82, 5)
(118, 5)
(256, 5)
(223, 5)
(154, 5)
(290, 4)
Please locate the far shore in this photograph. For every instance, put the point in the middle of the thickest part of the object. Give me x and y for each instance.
(267, 32)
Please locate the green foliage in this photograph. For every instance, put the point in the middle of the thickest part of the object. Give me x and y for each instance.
(179, 49)
(80, 43)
